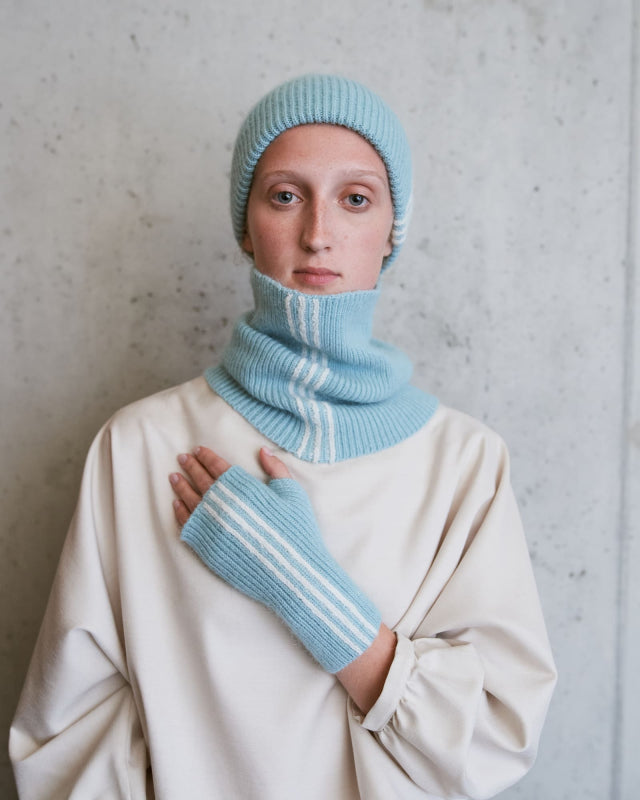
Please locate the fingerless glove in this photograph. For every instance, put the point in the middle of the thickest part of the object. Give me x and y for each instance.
(263, 539)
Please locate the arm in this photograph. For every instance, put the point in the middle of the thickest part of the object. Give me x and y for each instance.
(264, 541)
(464, 694)
(364, 677)
(76, 733)
(463, 706)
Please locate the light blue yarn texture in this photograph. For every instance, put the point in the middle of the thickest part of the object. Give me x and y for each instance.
(334, 100)
(305, 371)
(264, 541)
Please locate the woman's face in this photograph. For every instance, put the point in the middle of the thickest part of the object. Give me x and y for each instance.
(319, 214)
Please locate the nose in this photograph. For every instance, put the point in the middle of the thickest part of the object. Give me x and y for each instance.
(315, 234)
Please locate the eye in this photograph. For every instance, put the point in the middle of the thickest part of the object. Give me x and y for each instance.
(357, 200)
(284, 198)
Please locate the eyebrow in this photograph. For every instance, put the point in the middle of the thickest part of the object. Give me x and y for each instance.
(347, 174)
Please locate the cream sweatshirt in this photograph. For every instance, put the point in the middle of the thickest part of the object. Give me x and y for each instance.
(152, 677)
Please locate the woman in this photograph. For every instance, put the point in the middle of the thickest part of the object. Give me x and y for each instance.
(383, 534)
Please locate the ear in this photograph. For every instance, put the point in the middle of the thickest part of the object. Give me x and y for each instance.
(388, 246)
(247, 244)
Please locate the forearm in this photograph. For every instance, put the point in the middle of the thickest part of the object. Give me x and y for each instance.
(263, 539)
(364, 678)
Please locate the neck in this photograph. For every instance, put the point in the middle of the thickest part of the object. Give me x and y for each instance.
(305, 370)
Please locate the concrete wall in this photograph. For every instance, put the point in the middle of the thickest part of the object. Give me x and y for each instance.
(517, 287)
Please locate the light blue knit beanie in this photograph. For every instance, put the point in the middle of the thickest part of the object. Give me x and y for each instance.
(336, 101)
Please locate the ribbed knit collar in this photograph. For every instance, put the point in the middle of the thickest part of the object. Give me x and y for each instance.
(305, 371)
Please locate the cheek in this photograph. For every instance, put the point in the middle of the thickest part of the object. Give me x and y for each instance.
(271, 240)
(271, 228)
(260, 233)
(375, 241)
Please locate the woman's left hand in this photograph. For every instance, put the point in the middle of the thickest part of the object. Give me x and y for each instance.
(203, 467)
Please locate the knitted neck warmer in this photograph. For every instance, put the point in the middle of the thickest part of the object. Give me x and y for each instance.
(304, 370)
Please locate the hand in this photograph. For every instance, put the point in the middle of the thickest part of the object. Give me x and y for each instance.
(363, 677)
(203, 468)
(263, 539)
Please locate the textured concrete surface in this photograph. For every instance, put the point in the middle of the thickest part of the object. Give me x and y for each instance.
(515, 294)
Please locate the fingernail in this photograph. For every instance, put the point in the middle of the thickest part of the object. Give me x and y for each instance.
(196, 450)
(267, 451)
(174, 478)
(182, 459)
(176, 504)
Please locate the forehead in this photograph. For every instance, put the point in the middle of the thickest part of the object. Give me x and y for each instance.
(321, 144)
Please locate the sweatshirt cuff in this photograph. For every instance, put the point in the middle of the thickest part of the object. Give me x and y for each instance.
(394, 687)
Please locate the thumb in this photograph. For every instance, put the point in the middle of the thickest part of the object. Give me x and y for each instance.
(272, 465)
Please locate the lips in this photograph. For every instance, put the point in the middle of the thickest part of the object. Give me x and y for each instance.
(316, 276)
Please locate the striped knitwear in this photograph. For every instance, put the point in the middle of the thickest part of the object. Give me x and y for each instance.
(264, 541)
(305, 371)
(332, 100)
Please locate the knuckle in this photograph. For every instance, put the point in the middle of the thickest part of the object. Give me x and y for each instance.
(218, 466)
(209, 460)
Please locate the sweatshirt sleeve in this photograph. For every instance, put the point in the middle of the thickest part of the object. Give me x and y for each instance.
(76, 733)
(463, 705)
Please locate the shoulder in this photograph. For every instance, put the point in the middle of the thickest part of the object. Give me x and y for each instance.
(176, 420)
(162, 416)
(461, 430)
(157, 409)
(461, 449)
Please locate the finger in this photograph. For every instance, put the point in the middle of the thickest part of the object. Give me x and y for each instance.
(200, 477)
(184, 491)
(212, 462)
(272, 465)
(181, 512)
